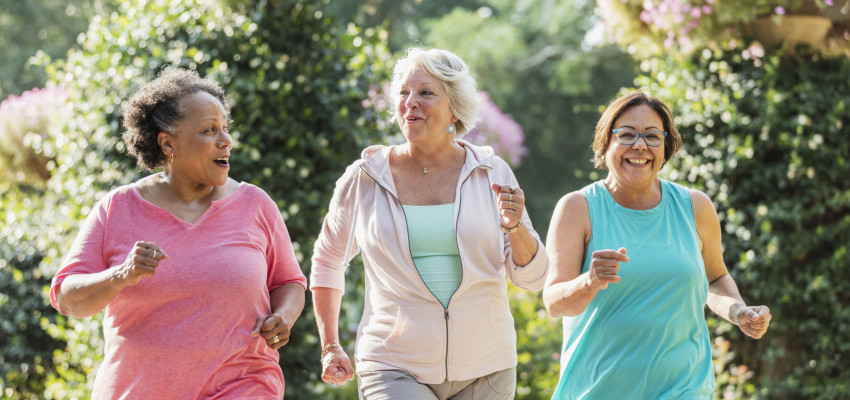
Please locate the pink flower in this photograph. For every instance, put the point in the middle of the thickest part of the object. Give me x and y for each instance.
(779, 10)
(499, 131)
(828, 2)
(696, 12)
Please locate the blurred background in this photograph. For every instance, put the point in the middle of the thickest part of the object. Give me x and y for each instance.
(760, 90)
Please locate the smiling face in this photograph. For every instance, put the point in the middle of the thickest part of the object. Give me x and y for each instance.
(423, 108)
(201, 142)
(638, 163)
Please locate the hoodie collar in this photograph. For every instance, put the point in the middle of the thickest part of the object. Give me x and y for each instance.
(375, 161)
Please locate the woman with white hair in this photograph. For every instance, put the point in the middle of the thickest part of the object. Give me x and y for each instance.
(439, 223)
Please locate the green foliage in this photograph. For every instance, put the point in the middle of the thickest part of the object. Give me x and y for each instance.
(766, 139)
(539, 65)
(538, 345)
(38, 28)
(297, 80)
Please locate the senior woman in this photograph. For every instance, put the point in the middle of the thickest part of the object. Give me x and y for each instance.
(439, 223)
(635, 259)
(195, 271)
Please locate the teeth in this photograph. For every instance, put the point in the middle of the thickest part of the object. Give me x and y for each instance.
(638, 161)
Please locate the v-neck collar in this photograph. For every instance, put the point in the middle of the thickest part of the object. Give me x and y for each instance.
(214, 204)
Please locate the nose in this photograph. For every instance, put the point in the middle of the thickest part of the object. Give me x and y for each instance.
(225, 140)
(640, 143)
(411, 101)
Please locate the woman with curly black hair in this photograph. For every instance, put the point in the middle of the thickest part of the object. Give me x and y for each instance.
(195, 271)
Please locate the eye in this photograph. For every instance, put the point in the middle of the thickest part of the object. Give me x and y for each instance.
(427, 92)
(653, 136)
(625, 134)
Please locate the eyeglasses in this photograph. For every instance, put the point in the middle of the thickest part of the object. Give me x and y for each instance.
(628, 137)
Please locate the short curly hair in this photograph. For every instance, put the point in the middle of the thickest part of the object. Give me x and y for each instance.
(155, 108)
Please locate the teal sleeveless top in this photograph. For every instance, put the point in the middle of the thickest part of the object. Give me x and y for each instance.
(433, 245)
(644, 337)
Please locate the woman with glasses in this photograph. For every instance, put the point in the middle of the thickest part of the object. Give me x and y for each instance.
(634, 261)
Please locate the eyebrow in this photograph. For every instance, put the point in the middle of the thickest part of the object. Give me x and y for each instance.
(650, 128)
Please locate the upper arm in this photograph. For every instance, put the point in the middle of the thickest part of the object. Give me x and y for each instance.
(282, 265)
(708, 229)
(566, 242)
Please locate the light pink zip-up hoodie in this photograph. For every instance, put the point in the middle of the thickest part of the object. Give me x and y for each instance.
(403, 325)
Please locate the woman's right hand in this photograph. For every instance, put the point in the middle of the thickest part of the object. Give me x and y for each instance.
(336, 367)
(604, 266)
(141, 263)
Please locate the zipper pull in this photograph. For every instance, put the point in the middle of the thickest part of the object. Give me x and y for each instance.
(446, 311)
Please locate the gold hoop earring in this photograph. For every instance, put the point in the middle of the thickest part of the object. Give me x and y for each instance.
(171, 159)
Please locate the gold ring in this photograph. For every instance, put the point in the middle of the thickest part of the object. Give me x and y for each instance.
(276, 339)
(511, 197)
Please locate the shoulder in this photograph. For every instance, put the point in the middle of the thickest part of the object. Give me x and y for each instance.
(254, 194)
(573, 200)
(121, 194)
(571, 206)
(704, 213)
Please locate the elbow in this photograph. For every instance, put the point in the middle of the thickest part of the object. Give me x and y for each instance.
(69, 310)
(558, 307)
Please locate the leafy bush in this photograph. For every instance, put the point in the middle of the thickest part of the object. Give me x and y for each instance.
(766, 139)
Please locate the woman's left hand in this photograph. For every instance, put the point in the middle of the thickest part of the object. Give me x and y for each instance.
(754, 320)
(510, 204)
(274, 329)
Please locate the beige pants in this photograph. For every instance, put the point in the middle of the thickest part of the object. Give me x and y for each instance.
(398, 384)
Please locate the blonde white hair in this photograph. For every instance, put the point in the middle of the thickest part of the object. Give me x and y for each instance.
(449, 69)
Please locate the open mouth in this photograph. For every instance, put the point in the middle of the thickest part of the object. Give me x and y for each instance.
(222, 161)
(637, 161)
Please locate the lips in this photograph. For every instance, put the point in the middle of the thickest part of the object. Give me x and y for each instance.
(637, 161)
(223, 161)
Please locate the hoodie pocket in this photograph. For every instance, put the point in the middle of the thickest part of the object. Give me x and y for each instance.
(419, 336)
(474, 331)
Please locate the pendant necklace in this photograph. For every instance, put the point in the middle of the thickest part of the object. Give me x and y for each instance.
(424, 169)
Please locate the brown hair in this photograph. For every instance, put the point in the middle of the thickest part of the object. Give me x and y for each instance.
(602, 135)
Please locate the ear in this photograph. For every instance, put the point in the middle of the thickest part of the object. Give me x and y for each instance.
(166, 142)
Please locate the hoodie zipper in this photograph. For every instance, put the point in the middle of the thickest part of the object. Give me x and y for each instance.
(457, 208)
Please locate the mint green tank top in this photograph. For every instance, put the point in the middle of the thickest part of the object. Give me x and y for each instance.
(433, 245)
(644, 337)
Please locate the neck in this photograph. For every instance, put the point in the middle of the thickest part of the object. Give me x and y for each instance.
(636, 197)
(434, 157)
(186, 193)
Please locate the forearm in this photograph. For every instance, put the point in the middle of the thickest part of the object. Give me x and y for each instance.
(84, 295)
(570, 298)
(724, 298)
(523, 246)
(326, 304)
(288, 301)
